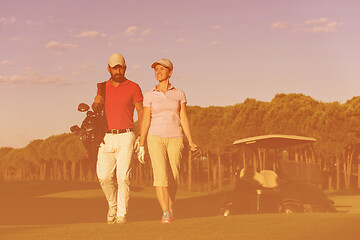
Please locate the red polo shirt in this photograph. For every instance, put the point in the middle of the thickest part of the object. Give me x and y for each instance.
(120, 103)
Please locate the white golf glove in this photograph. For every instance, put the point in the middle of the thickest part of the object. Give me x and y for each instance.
(137, 145)
(141, 154)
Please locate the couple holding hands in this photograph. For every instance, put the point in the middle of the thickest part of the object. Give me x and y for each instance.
(162, 121)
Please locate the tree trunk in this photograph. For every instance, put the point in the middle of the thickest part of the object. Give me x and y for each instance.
(73, 170)
(345, 174)
(330, 182)
(348, 155)
(232, 175)
(56, 169)
(44, 171)
(215, 172)
(189, 172)
(220, 171)
(358, 185)
(40, 167)
(59, 172)
(65, 171)
(208, 172)
(81, 170)
(337, 173)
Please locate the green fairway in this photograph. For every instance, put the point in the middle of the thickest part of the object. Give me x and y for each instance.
(77, 211)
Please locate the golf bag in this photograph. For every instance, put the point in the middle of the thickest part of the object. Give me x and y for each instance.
(93, 127)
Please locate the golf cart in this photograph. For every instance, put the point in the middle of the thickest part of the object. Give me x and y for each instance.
(279, 174)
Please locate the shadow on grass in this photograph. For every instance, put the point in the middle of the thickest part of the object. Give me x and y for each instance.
(20, 205)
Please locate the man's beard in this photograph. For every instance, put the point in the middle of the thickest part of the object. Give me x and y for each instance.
(118, 78)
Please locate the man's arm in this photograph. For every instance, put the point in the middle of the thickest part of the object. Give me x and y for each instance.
(98, 104)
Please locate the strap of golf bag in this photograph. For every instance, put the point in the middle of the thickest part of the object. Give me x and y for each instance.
(102, 122)
(102, 87)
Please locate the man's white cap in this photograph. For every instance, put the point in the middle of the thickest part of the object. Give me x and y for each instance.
(163, 62)
(116, 59)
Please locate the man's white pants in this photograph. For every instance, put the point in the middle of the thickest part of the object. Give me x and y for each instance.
(116, 154)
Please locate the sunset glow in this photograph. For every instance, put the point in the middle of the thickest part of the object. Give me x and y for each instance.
(52, 54)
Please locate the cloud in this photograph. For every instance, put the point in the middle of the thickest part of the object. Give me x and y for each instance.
(133, 30)
(330, 27)
(167, 51)
(5, 21)
(12, 79)
(279, 25)
(32, 23)
(32, 77)
(59, 46)
(146, 32)
(130, 31)
(5, 62)
(334, 24)
(135, 39)
(315, 21)
(315, 25)
(182, 40)
(319, 28)
(320, 25)
(86, 67)
(14, 39)
(299, 28)
(215, 26)
(75, 82)
(322, 29)
(90, 34)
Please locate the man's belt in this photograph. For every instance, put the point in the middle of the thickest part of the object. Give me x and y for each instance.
(118, 131)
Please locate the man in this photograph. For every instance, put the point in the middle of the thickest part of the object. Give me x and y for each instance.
(122, 97)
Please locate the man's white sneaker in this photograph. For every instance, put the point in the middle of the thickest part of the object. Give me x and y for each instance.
(120, 219)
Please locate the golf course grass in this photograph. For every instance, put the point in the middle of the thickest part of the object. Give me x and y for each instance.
(68, 210)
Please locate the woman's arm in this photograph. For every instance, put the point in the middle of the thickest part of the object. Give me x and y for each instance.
(145, 125)
(140, 113)
(184, 121)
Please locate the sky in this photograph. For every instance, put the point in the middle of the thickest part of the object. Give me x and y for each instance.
(52, 54)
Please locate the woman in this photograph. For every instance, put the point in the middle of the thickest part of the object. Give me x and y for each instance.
(164, 121)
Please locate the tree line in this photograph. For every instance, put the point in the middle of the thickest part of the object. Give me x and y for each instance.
(336, 126)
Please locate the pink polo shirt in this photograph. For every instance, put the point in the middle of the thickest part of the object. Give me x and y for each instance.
(165, 112)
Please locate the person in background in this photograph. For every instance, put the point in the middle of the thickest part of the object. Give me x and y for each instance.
(164, 123)
(122, 97)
